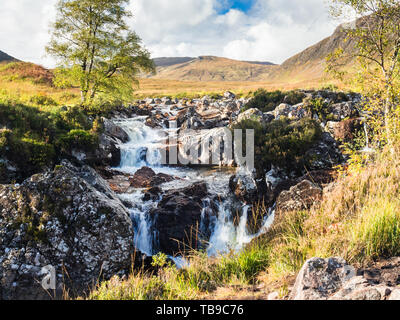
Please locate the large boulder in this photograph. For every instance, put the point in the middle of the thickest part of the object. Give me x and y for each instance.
(67, 219)
(320, 278)
(300, 197)
(178, 217)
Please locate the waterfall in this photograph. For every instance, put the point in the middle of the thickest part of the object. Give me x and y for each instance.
(142, 225)
(144, 149)
(144, 146)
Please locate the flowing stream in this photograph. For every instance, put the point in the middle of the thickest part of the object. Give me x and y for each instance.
(143, 149)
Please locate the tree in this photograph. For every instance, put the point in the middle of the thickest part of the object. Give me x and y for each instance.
(96, 50)
(376, 38)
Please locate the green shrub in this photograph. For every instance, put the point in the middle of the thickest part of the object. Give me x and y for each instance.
(78, 139)
(265, 101)
(282, 142)
(43, 100)
(294, 97)
(317, 107)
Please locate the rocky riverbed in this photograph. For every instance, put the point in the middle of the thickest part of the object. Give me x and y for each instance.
(91, 224)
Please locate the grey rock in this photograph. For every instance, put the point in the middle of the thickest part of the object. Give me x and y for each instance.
(69, 219)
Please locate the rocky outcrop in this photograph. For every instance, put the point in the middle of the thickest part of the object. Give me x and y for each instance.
(300, 197)
(178, 219)
(68, 219)
(334, 279)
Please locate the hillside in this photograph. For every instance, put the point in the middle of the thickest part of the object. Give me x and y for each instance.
(4, 57)
(307, 65)
(210, 68)
(310, 63)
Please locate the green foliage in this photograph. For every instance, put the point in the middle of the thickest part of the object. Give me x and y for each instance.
(96, 49)
(78, 139)
(42, 99)
(268, 101)
(265, 101)
(317, 107)
(283, 143)
(159, 260)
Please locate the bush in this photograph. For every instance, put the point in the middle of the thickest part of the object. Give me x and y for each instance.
(294, 97)
(283, 143)
(43, 100)
(265, 101)
(78, 139)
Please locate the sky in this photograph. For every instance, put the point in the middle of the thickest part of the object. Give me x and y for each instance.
(263, 30)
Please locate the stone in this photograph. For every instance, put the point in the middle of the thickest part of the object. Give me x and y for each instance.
(320, 278)
(251, 114)
(229, 95)
(178, 218)
(300, 197)
(147, 178)
(69, 219)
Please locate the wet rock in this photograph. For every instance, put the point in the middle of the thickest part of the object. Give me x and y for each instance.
(320, 278)
(246, 187)
(300, 197)
(68, 219)
(178, 217)
(147, 178)
(114, 131)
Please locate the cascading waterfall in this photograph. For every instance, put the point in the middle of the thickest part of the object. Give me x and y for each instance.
(143, 149)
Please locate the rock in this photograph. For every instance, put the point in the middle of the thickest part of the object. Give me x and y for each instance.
(68, 219)
(395, 295)
(282, 110)
(343, 110)
(229, 95)
(273, 296)
(251, 114)
(178, 217)
(326, 153)
(300, 197)
(344, 130)
(320, 278)
(246, 187)
(358, 288)
(114, 131)
(147, 178)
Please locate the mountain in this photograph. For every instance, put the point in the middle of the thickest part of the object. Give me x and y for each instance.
(4, 57)
(210, 68)
(305, 66)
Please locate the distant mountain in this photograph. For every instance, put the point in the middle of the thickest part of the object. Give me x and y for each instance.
(166, 62)
(304, 66)
(210, 68)
(4, 57)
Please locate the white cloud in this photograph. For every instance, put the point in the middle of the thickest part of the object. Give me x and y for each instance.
(272, 30)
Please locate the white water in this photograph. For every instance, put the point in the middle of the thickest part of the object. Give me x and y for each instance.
(143, 149)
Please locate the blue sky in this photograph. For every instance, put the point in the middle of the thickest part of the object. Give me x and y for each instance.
(242, 5)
